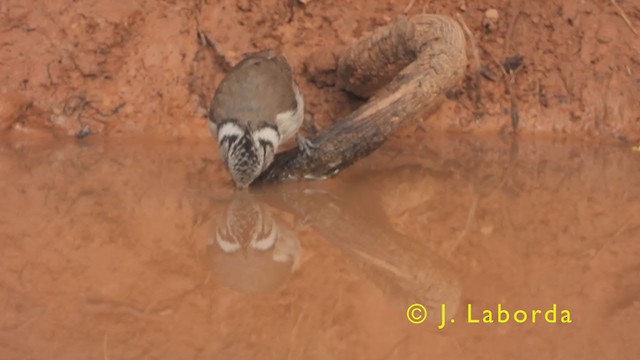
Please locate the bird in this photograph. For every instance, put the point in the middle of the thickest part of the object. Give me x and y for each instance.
(257, 107)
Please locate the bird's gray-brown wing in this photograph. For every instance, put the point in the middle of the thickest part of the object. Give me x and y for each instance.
(255, 91)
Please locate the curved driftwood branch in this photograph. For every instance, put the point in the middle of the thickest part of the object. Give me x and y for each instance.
(417, 58)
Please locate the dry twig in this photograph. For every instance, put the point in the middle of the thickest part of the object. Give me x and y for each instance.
(476, 61)
(409, 6)
(515, 4)
(624, 16)
(509, 79)
(219, 55)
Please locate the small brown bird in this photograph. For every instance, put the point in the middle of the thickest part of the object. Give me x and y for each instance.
(257, 107)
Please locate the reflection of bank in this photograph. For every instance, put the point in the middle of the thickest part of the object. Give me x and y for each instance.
(251, 250)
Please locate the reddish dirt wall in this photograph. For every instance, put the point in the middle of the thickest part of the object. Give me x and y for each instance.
(131, 68)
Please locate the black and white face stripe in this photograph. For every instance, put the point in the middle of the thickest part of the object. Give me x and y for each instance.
(262, 236)
(268, 140)
(246, 224)
(247, 153)
(229, 131)
(268, 134)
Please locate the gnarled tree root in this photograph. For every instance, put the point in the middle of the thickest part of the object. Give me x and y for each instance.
(406, 67)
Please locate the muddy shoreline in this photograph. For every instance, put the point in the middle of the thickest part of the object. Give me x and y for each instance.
(135, 69)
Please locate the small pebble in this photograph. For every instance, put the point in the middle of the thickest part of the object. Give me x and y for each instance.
(492, 14)
(486, 230)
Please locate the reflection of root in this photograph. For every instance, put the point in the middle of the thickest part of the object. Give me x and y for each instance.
(401, 268)
(104, 347)
(612, 237)
(470, 216)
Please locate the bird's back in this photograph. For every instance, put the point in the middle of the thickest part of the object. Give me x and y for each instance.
(255, 91)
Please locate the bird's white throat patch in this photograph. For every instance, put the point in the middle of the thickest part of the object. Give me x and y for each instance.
(267, 134)
(229, 129)
(227, 246)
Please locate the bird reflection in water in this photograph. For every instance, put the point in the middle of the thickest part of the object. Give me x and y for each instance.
(251, 250)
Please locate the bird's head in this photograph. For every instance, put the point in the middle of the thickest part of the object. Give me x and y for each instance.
(247, 152)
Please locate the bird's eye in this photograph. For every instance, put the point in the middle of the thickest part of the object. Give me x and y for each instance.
(266, 144)
(229, 139)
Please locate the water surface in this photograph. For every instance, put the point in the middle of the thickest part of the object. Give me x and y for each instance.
(121, 250)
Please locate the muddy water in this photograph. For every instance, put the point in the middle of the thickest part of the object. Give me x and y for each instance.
(120, 250)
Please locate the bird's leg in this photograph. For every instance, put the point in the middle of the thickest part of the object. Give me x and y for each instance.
(305, 144)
